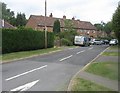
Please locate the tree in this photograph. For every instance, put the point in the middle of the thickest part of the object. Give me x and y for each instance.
(108, 28)
(7, 14)
(56, 27)
(116, 22)
(20, 19)
(99, 26)
(69, 32)
(69, 25)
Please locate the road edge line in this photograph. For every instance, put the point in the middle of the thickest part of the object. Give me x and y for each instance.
(70, 84)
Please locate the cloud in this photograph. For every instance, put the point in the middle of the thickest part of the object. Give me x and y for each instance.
(86, 10)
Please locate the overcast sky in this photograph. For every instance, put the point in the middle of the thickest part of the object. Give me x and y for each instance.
(94, 11)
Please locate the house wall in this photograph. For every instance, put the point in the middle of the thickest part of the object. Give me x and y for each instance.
(41, 28)
(91, 33)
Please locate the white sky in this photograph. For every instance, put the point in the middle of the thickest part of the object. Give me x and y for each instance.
(94, 11)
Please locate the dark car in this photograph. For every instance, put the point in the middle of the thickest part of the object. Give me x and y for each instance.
(106, 41)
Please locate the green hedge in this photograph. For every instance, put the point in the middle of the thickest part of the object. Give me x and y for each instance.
(66, 42)
(14, 40)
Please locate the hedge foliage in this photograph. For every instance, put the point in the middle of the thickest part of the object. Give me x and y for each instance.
(14, 40)
(66, 42)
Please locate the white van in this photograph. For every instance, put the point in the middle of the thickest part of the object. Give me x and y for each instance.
(81, 40)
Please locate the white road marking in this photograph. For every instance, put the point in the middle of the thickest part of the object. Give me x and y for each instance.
(25, 73)
(66, 58)
(25, 87)
(80, 52)
(71, 48)
(90, 48)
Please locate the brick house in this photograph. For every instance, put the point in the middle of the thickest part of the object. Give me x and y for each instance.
(38, 23)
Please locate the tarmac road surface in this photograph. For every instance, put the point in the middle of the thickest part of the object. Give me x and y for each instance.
(50, 72)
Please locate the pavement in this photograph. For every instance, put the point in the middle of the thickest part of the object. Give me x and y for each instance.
(103, 81)
(49, 72)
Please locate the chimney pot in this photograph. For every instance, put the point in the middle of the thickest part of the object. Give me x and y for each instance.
(64, 17)
(73, 18)
(51, 15)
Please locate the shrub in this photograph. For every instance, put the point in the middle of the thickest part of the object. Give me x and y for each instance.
(14, 40)
(66, 42)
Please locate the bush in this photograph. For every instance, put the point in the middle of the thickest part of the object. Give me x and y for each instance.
(14, 40)
(66, 42)
(50, 39)
(68, 35)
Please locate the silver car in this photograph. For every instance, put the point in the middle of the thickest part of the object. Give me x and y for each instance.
(113, 42)
(97, 42)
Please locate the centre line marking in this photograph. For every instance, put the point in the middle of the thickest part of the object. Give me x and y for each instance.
(80, 52)
(66, 58)
(25, 73)
(90, 48)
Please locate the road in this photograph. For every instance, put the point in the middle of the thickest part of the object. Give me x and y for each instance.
(50, 72)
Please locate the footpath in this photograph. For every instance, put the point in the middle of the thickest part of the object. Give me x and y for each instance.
(97, 79)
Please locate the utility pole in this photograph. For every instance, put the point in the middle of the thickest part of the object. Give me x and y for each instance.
(45, 24)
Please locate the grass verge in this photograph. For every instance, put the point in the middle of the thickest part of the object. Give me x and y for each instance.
(110, 54)
(115, 47)
(80, 84)
(23, 54)
(105, 69)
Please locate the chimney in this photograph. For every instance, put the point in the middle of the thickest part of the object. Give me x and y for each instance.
(51, 15)
(73, 18)
(64, 17)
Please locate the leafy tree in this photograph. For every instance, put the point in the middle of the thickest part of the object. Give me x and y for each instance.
(56, 27)
(69, 25)
(20, 19)
(7, 14)
(99, 26)
(69, 32)
(116, 22)
(108, 28)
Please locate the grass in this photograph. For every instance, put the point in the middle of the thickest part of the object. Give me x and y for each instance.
(110, 54)
(115, 47)
(23, 54)
(85, 85)
(105, 69)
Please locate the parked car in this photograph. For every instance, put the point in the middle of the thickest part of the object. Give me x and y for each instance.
(92, 41)
(113, 42)
(97, 42)
(106, 41)
(81, 40)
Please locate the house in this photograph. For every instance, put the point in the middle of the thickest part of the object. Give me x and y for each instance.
(5, 24)
(39, 22)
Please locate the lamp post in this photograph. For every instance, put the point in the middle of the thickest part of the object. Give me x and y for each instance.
(45, 24)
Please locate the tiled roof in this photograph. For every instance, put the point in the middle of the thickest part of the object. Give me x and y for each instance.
(34, 21)
(4, 24)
